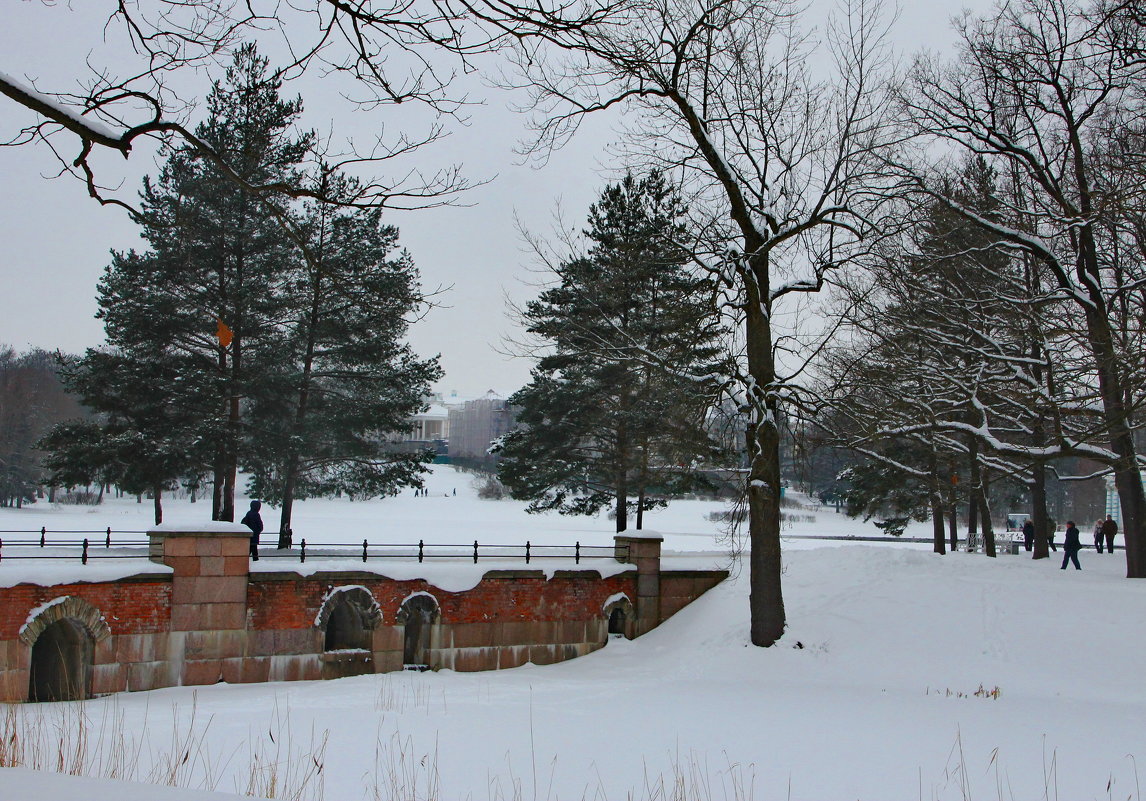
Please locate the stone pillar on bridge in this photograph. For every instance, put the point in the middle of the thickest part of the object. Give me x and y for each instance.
(208, 599)
(644, 551)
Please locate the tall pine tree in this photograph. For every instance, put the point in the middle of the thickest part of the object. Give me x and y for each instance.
(216, 259)
(346, 376)
(233, 345)
(615, 414)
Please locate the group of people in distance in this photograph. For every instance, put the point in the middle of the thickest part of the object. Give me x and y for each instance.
(1104, 531)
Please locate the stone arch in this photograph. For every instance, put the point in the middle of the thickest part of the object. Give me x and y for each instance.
(67, 606)
(620, 617)
(348, 617)
(62, 635)
(418, 615)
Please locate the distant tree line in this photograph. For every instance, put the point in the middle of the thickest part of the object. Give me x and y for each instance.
(32, 400)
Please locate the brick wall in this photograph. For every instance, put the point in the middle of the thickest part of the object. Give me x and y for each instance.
(213, 621)
(137, 612)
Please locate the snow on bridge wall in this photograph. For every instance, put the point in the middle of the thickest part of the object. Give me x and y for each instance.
(211, 619)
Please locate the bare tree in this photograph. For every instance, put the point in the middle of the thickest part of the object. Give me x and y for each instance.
(32, 400)
(1031, 86)
(131, 95)
(777, 162)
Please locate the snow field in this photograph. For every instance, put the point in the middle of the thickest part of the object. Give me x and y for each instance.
(883, 688)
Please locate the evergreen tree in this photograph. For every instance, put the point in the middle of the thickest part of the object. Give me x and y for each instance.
(347, 377)
(234, 344)
(208, 291)
(615, 413)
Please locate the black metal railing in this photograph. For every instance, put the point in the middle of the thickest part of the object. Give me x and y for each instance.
(35, 545)
(422, 551)
(38, 543)
(40, 536)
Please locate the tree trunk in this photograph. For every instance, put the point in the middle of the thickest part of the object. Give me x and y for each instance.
(766, 598)
(231, 466)
(953, 522)
(622, 479)
(294, 458)
(1039, 515)
(288, 502)
(217, 485)
(622, 507)
(939, 544)
(972, 514)
(989, 544)
(644, 479)
(157, 502)
(979, 500)
(1127, 478)
(1111, 375)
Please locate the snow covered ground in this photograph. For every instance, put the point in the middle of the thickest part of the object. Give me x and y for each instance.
(903, 675)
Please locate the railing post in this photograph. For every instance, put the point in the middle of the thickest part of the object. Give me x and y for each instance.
(43, 534)
(527, 552)
(577, 553)
(421, 547)
(84, 556)
(1, 549)
(475, 552)
(107, 542)
(363, 550)
(302, 551)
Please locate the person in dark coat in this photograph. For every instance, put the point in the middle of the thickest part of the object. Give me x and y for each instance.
(1109, 529)
(254, 522)
(1051, 527)
(1071, 546)
(1028, 534)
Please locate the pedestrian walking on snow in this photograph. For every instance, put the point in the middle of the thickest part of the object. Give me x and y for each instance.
(1098, 534)
(1071, 546)
(1028, 534)
(1109, 529)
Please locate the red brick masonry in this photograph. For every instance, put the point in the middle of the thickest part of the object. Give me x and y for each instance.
(213, 620)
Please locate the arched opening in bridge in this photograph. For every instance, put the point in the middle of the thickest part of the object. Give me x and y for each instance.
(620, 620)
(346, 628)
(61, 663)
(348, 618)
(617, 620)
(417, 615)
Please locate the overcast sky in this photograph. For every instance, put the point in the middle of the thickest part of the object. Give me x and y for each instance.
(56, 240)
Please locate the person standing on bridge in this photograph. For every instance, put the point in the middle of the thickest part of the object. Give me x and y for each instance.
(254, 521)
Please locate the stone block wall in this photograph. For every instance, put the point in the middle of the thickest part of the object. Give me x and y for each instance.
(211, 620)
